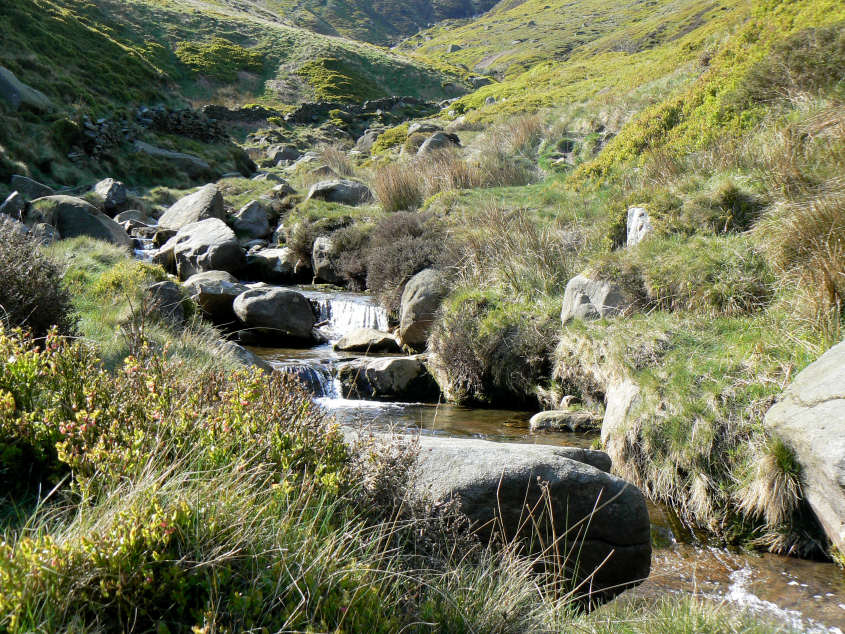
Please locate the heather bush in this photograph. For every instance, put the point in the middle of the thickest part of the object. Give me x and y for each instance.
(31, 291)
(401, 245)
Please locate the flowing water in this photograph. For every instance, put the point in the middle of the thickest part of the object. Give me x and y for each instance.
(805, 595)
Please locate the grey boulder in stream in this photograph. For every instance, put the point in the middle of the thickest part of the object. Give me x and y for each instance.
(388, 379)
(600, 521)
(274, 313)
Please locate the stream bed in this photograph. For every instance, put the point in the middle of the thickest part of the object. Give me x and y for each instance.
(805, 595)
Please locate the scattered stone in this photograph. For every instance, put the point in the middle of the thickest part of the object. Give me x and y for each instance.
(74, 217)
(420, 302)
(367, 140)
(439, 141)
(423, 127)
(45, 234)
(282, 190)
(113, 195)
(133, 214)
(480, 82)
(205, 203)
(166, 301)
(639, 225)
(275, 313)
(391, 379)
(252, 221)
(810, 418)
(341, 191)
(324, 171)
(588, 299)
(17, 94)
(453, 48)
(368, 340)
(276, 153)
(215, 293)
(244, 356)
(14, 206)
(564, 420)
(494, 484)
(268, 177)
(30, 189)
(275, 266)
(207, 245)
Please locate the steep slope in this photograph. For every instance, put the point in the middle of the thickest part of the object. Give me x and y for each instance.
(377, 21)
(103, 58)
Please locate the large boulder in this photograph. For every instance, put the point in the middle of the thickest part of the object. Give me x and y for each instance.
(74, 217)
(18, 94)
(275, 313)
(274, 266)
(390, 378)
(208, 245)
(639, 225)
(215, 293)
(323, 262)
(423, 127)
(367, 140)
(205, 203)
(276, 153)
(439, 141)
(421, 300)
(588, 299)
(341, 191)
(112, 194)
(30, 189)
(810, 418)
(252, 221)
(367, 340)
(601, 521)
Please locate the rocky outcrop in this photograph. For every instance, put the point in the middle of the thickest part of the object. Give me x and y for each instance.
(439, 141)
(30, 189)
(621, 399)
(74, 217)
(276, 153)
(323, 262)
(639, 225)
(421, 300)
(208, 245)
(275, 313)
(810, 418)
(17, 94)
(215, 292)
(367, 340)
(193, 165)
(601, 521)
(423, 127)
(588, 299)
(367, 140)
(201, 205)
(390, 379)
(564, 420)
(341, 191)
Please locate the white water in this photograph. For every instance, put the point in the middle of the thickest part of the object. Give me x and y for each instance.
(344, 312)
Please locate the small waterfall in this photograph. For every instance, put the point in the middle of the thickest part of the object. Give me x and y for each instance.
(316, 377)
(343, 314)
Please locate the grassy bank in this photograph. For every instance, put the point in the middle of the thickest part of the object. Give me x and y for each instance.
(156, 493)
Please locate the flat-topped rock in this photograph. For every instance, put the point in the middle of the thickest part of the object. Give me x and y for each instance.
(367, 340)
(564, 420)
(387, 379)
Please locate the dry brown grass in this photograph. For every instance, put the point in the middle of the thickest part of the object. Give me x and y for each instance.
(398, 187)
(335, 157)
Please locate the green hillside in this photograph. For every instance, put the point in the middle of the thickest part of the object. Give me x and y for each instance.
(98, 59)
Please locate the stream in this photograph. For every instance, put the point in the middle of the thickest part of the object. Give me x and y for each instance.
(805, 595)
